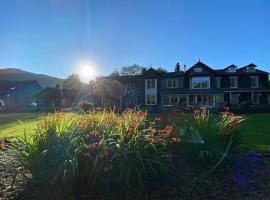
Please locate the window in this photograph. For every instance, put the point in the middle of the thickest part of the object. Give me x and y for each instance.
(151, 100)
(173, 100)
(150, 83)
(233, 82)
(231, 69)
(218, 82)
(132, 100)
(172, 83)
(165, 100)
(254, 82)
(200, 82)
(234, 99)
(131, 87)
(250, 69)
(256, 98)
(268, 98)
(198, 69)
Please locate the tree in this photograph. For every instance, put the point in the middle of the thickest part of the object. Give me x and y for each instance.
(161, 70)
(72, 82)
(130, 70)
(115, 73)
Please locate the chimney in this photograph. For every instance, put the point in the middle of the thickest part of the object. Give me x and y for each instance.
(177, 67)
(184, 68)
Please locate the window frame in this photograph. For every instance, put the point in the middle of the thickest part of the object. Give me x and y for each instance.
(231, 69)
(233, 78)
(200, 77)
(172, 82)
(131, 89)
(256, 81)
(218, 82)
(151, 81)
(198, 69)
(251, 71)
(151, 95)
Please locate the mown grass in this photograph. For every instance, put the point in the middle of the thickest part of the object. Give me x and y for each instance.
(14, 124)
(255, 130)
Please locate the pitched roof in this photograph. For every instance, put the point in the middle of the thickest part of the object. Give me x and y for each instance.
(12, 86)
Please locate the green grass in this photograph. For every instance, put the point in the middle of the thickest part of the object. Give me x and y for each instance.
(11, 123)
(255, 130)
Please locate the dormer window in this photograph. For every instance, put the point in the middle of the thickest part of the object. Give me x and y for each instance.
(231, 69)
(198, 69)
(250, 69)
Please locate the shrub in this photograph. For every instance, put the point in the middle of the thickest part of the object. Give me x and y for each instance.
(214, 136)
(95, 153)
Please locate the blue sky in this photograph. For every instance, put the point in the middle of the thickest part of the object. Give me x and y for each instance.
(58, 37)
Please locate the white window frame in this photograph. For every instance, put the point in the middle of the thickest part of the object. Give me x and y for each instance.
(200, 77)
(172, 83)
(198, 69)
(256, 81)
(248, 69)
(232, 69)
(155, 96)
(131, 87)
(218, 82)
(236, 78)
(149, 82)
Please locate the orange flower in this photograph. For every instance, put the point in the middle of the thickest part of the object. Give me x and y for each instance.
(94, 133)
(133, 125)
(108, 167)
(168, 131)
(2, 145)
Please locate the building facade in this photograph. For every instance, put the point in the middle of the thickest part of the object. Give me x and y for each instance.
(200, 85)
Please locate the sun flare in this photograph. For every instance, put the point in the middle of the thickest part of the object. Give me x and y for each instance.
(87, 73)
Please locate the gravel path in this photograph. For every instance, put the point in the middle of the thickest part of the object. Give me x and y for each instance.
(12, 181)
(248, 179)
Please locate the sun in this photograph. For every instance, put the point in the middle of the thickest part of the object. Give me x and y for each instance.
(87, 73)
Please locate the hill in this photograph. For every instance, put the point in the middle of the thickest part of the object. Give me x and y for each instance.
(14, 74)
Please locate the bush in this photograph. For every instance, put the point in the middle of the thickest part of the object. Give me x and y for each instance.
(210, 135)
(96, 153)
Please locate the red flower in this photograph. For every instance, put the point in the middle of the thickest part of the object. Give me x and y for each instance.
(176, 140)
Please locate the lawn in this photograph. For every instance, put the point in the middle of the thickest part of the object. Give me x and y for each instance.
(12, 124)
(255, 130)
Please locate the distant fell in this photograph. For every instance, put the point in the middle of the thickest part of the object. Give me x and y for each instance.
(14, 74)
